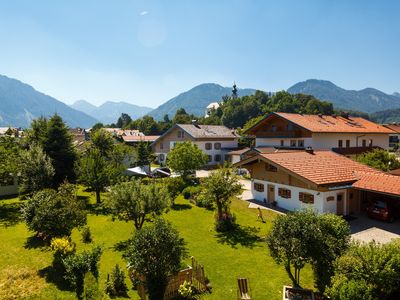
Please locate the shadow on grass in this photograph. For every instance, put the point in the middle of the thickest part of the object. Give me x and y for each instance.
(97, 209)
(178, 207)
(245, 236)
(52, 275)
(122, 246)
(10, 214)
(34, 242)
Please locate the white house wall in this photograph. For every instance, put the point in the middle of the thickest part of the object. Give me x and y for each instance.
(321, 205)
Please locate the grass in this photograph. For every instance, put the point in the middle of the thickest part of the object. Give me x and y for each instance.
(225, 257)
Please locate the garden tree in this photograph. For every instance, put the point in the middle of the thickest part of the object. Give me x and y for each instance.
(185, 158)
(37, 134)
(379, 159)
(123, 121)
(146, 124)
(95, 171)
(36, 170)
(103, 141)
(97, 126)
(136, 201)
(305, 237)
(58, 146)
(367, 271)
(52, 213)
(220, 187)
(182, 117)
(144, 156)
(9, 159)
(156, 252)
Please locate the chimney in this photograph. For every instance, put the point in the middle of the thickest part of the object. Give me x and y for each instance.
(344, 115)
(320, 115)
(310, 150)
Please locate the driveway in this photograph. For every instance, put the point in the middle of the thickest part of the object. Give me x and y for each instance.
(364, 229)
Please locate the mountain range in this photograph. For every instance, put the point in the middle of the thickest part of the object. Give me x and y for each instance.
(110, 111)
(20, 104)
(195, 100)
(367, 100)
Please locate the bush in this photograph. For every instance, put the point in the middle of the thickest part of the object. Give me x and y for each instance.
(115, 284)
(53, 213)
(226, 223)
(191, 192)
(76, 266)
(91, 289)
(186, 290)
(174, 185)
(86, 235)
(202, 200)
(62, 248)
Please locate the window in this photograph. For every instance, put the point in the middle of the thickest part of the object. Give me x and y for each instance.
(292, 143)
(161, 146)
(282, 143)
(259, 187)
(347, 143)
(306, 198)
(217, 157)
(289, 127)
(208, 146)
(273, 128)
(161, 157)
(285, 193)
(180, 134)
(370, 143)
(300, 143)
(340, 144)
(270, 168)
(209, 158)
(217, 146)
(364, 143)
(330, 198)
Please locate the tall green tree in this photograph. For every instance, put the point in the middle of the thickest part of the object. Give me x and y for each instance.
(123, 121)
(379, 159)
(156, 252)
(221, 186)
(36, 170)
(185, 158)
(9, 159)
(135, 201)
(103, 141)
(144, 156)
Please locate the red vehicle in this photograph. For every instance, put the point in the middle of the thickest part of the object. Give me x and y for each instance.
(384, 210)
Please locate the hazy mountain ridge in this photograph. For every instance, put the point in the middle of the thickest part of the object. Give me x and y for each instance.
(110, 111)
(367, 100)
(20, 103)
(195, 100)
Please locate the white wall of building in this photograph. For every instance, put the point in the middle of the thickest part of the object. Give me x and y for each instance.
(321, 205)
(329, 140)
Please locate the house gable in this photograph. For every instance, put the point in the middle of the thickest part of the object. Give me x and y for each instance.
(175, 134)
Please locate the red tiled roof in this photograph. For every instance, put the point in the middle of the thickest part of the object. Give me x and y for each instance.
(326, 124)
(140, 138)
(239, 151)
(394, 127)
(378, 182)
(395, 172)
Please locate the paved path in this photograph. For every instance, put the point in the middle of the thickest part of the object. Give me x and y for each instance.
(374, 234)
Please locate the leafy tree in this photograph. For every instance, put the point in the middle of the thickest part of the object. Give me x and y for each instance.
(135, 201)
(156, 252)
(53, 213)
(115, 284)
(305, 237)
(367, 271)
(37, 134)
(97, 126)
(58, 146)
(36, 170)
(95, 171)
(379, 159)
(146, 124)
(9, 159)
(103, 141)
(123, 121)
(185, 158)
(220, 187)
(144, 155)
(182, 117)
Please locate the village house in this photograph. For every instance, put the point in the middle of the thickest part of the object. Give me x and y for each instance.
(343, 134)
(133, 140)
(321, 179)
(394, 137)
(215, 141)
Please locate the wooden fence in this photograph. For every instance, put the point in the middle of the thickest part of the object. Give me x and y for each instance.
(193, 274)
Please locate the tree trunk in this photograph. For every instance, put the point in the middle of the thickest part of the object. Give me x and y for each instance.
(219, 210)
(98, 201)
(289, 271)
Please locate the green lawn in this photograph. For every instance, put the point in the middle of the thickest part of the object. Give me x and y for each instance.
(225, 257)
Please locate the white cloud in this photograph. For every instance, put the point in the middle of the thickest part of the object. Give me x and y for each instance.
(143, 13)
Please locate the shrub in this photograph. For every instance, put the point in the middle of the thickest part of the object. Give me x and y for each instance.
(202, 200)
(174, 185)
(62, 248)
(186, 290)
(191, 192)
(76, 266)
(226, 223)
(91, 289)
(86, 235)
(115, 284)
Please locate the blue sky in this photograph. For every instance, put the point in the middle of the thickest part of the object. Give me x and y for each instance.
(146, 52)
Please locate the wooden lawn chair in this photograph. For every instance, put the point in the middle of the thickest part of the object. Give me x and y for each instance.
(243, 289)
